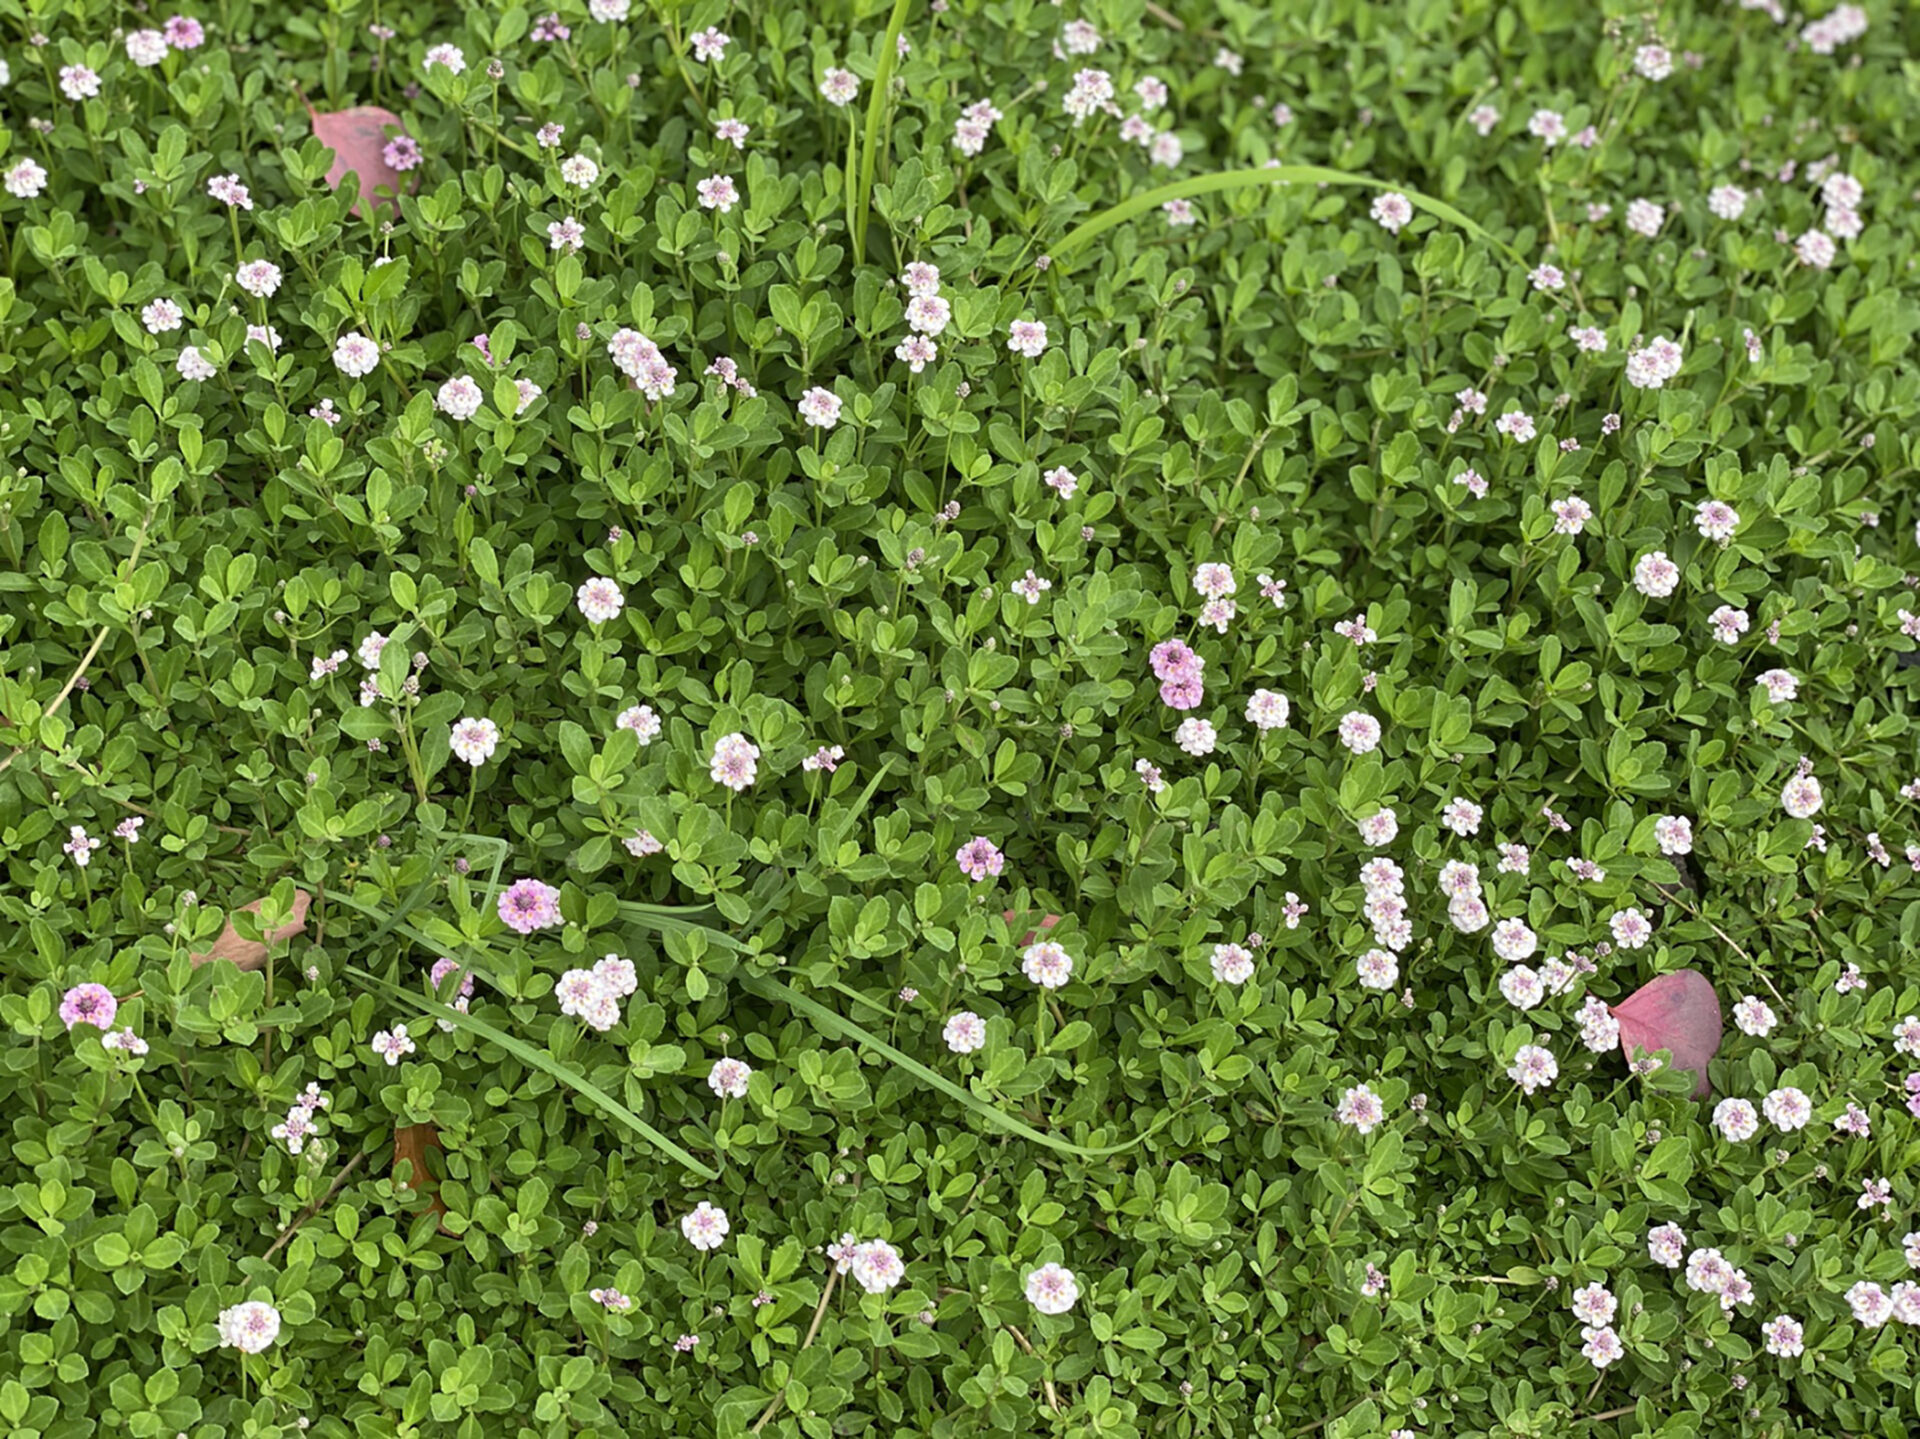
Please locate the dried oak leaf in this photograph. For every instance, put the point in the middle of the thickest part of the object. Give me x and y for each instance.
(249, 953)
(358, 139)
(1678, 1012)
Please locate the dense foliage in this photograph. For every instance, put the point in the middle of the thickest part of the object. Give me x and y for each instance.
(927, 753)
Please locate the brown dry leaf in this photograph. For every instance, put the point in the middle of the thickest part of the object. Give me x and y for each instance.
(251, 954)
(411, 1143)
(358, 139)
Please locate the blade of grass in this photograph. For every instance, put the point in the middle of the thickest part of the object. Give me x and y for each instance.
(838, 1026)
(1127, 209)
(870, 149)
(536, 1059)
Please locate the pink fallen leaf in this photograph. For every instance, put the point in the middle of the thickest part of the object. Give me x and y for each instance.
(1048, 923)
(251, 954)
(358, 139)
(1678, 1012)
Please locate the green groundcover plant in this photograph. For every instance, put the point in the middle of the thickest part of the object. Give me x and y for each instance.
(959, 718)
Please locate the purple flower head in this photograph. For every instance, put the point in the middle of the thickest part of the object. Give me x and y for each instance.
(527, 905)
(89, 1004)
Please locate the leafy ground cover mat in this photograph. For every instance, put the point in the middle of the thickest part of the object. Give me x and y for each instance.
(946, 718)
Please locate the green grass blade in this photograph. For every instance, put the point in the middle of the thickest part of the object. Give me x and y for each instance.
(870, 147)
(1126, 210)
(836, 1025)
(537, 1059)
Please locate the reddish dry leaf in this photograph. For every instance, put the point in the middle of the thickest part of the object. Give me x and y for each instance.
(1048, 923)
(411, 1143)
(251, 954)
(358, 139)
(1677, 1012)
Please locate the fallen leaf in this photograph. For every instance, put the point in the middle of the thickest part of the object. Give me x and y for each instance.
(358, 139)
(248, 953)
(1678, 1012)
(411, 1143)
(1048, 923)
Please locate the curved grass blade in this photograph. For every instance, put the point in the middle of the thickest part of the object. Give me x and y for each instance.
(537, 1059)
(1127, 209)
(870, 146)
(840, 1027)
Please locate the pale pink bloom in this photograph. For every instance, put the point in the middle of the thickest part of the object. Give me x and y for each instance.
(193, 365)
(1781, 685)
(447, 57)
(877, 1267)
(1666, 1245)
(1601, 1346)
(1728, 624)
(1570, 515)
(1736, 1119)
(1027, 337)
(1514, 940)
(1051, 1289)
(77, 82)
(641, 843)
(580, 171)
(706, 1227)
(1727, 202)
(1801, 796)
(1870, 1304)
(839, 87)
(1588, 340)
(1360, 732)
(1644, 217)
(459, 398)
(1047, 964)
(1656, 576)
(1062, 481)
(1674, 834)
(965, 1032)
(1787, 1109)
(393, 1045)
(567, 236)
(1631, 929)
(1380, 827)
(1360, 1108)
(728, 1078)
(160, 317)
(1533, 1068)
(1716, 520)
(1377, 969)
(26, 180)
(1195, 736)
(1516, 425)
(820, 408)
(1268, 710)
(1785, 1337)
(1391, 211)
(1547, 277)
(146, 48)
(641, 719)
(718, 192)
(355, 355)
(474, 740)
(735, 762)
(1522, 988)
(250, 1327)
(1152, 92)
(710, 45)
(916, 352)
(1815, 250)
(1754, 1016)
(599, 599)
(1232, 964)
(1653, 62)
(1547, 126)
(733, 131)
(1906, 1036)
(1594, 1304)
